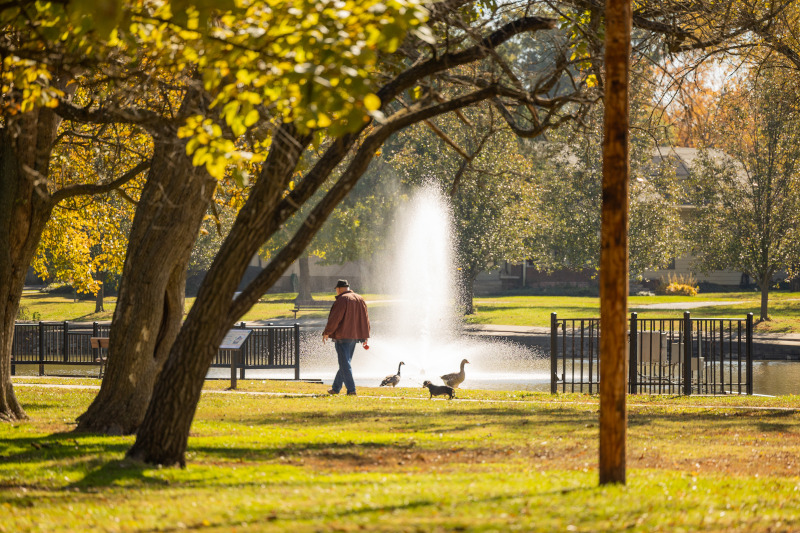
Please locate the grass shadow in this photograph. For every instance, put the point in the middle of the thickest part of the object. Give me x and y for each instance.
(111, 473)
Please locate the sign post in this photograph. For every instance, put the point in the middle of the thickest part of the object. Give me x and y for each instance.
(233, 341)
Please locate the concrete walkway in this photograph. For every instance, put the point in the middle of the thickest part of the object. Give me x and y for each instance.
(685, 305)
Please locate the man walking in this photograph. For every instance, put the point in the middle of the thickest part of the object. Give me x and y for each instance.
(348, 323)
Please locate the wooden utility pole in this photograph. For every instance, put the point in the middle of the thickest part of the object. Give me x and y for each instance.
(614, 244)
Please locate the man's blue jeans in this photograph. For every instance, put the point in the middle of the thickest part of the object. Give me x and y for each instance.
(344, 350)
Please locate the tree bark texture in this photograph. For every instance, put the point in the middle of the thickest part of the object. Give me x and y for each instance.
(304, 293)
(468, 292)
(765, 282)
(149, 308)
(98, 298)
(163, 435)
(614, 244)
(25, 206)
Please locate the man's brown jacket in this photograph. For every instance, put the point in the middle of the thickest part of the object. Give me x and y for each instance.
(348, 318)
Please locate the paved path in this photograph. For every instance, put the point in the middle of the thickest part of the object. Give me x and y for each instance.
(685, 305)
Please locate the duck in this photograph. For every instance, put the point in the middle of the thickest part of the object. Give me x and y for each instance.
(456, 378)
(392, 380)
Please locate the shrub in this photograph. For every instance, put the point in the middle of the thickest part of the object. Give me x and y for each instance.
(678, 286)
(24, 315)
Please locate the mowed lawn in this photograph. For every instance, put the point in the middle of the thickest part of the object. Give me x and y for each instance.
(784, 309)
(504, 310)
(396, 461)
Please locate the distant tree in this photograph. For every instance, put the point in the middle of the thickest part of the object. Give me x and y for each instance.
(747, 199)
(568, 170)
(690, 101)
(216, 225)
(85, 241)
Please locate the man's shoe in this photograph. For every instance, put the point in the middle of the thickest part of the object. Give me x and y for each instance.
(352, 393)
(331, 391)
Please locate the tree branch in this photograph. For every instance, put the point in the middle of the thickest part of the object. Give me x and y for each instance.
(150, 120)
(468, 161)
(407, 79)
(98, 188)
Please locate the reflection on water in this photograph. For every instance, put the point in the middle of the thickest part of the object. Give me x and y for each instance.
(776, 377)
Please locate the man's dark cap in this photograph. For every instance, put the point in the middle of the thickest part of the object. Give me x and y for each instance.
(342, 283)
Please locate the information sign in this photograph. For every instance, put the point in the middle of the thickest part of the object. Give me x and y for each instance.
(234, 339)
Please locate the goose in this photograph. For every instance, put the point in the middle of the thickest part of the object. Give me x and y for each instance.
(392, 380)
(456, 378)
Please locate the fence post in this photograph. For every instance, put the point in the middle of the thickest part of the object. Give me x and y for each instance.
(41, 349)
(553, 353)
(687, 353)
(270, 344)
(633, 354)
(242, 357)
(66, 342)
(296, 351)
(749, 351)
(96, 355)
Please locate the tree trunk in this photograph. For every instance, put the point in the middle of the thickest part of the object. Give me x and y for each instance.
(13, 255)
(163, 435)
(468, 293)
(98, 298)
(304, 294)
(25, 207)
(614, 244)
(765, 282)
(149, 308)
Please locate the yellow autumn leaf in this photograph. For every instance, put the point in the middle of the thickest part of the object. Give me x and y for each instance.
(372, 102)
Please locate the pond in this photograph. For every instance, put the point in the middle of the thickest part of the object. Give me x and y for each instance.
(493, 366)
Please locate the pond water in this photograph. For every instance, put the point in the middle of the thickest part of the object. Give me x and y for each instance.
(772, 378)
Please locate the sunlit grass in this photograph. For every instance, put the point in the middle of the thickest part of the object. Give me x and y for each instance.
(505, 461)
(57, 307)
(535, 310)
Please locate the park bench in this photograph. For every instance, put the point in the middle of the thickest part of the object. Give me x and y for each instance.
(311, 306)
(100, 343)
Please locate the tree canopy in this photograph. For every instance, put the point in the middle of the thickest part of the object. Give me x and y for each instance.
(747, 214)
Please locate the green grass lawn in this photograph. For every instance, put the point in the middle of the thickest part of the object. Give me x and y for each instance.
(535, 310)
(395, 461)
(506, 310)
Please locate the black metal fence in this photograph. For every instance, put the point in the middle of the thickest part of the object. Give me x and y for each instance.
(68, 343)
(56, 343)
(267, 347)
(665, 355)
